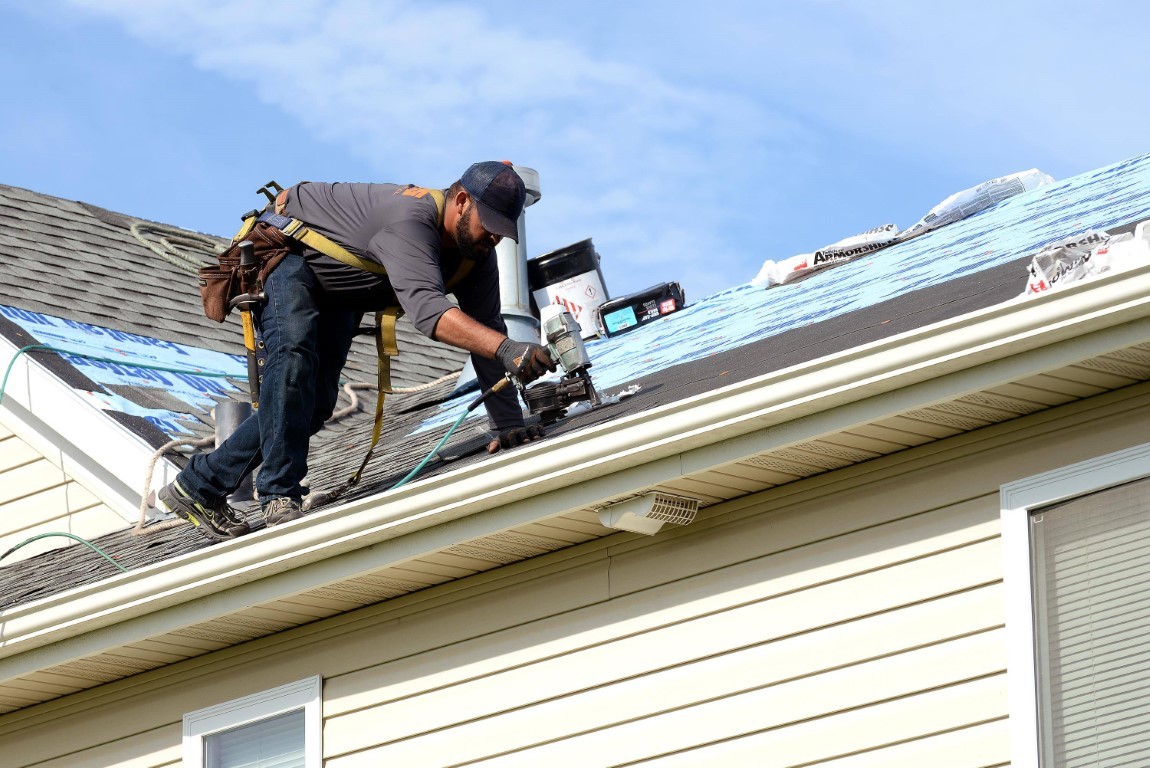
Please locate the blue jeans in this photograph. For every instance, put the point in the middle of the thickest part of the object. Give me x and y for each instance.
(306, 346)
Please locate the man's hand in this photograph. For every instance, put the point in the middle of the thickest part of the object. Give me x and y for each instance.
(513, 436)
(524, 360)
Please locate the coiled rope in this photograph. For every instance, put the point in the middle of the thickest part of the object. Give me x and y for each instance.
(170, 244)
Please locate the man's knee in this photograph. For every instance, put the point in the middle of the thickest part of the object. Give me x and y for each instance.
(326, 397)
(319, 418)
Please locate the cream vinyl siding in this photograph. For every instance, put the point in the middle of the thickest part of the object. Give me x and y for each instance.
(36, 497)
(851, 619)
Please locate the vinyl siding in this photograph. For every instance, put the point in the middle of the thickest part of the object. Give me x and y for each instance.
(743, 652)
(853, 619)
(37, 497)
(155, 748)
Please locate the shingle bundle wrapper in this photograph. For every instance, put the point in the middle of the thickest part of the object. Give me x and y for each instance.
(1085, 256)
(970, 201)
(958, 206)
(847, 249)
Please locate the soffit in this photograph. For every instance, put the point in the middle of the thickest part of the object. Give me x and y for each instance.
(807, 456)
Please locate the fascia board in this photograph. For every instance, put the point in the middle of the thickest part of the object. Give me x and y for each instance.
(573, 470)
(88, 446)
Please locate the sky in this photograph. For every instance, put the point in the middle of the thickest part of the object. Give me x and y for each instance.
(690, 141)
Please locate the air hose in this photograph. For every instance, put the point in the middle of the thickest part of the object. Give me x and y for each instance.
(85, 542)
(324, 497)
(474, 404)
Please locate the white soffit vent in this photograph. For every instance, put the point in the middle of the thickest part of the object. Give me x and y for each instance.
(647, 513)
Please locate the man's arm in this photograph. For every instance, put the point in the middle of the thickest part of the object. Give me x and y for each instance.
(458, 329)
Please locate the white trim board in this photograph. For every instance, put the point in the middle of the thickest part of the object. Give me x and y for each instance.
(1017, 499)
(302, 694)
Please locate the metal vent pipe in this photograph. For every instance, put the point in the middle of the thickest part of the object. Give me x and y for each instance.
(229, 415)
(514, 292)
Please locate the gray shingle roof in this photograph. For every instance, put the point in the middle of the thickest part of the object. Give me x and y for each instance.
(79, 262)
(733, 336)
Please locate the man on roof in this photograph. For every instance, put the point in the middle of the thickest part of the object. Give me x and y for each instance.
(314, 305)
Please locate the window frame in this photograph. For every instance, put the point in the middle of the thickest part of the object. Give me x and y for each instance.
(1017, 500)
(302, 694)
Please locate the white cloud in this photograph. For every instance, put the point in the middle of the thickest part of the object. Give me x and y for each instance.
(666, 130)
(420, 91)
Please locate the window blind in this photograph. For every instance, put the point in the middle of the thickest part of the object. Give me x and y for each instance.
(1091, 576)
(277, 742)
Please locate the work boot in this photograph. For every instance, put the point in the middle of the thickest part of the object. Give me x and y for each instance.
(281, 510)
(218, 522)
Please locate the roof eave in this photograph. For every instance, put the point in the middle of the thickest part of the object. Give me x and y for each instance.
(575, 470)
(98, 452)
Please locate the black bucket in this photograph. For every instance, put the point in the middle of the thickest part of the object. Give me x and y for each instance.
(571, 278)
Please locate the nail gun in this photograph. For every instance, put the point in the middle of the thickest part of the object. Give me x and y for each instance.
(560, 333)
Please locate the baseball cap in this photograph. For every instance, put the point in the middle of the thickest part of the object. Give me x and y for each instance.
(499, 195)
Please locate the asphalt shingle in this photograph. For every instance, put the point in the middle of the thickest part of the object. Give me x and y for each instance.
(733, 336)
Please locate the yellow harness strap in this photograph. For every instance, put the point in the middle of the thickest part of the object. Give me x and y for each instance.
(246, 228)
(386, 347)
(386, 343)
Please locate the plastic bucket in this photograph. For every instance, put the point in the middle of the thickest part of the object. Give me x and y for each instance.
(571, 278)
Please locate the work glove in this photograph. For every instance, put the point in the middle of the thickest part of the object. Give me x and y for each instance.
(513, 436)
(524, 360)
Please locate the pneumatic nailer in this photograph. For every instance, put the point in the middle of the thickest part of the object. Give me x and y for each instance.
(560, 333)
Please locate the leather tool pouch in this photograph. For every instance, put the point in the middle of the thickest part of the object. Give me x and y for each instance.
(222, 282)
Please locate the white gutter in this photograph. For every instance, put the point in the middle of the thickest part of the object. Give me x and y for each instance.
(575, 470)
(100, 453)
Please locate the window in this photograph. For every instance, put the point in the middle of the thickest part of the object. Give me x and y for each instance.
(279, 728)
(1077, 553)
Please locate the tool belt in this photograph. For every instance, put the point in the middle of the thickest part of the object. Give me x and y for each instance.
(220, 283)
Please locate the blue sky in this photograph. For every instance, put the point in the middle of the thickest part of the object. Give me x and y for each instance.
(691, 141)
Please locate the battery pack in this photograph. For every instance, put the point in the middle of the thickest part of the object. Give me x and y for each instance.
(629, 312)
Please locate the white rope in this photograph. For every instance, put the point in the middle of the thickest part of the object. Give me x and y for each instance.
(350, 387)
(422, 387)
(144, 498)
(170, 243)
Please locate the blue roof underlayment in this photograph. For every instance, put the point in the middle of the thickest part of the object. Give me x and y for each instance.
(1010, 230)
(112, 358)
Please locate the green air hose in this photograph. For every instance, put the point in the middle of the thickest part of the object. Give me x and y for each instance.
(474, 404)
(434, 450)
(87, 543)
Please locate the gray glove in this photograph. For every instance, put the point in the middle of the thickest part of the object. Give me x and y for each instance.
(513, 436)
(524, 360)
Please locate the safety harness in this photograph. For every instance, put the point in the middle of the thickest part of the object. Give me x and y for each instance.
(386, 344)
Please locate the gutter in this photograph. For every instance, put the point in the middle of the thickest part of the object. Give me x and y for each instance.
(576, 470)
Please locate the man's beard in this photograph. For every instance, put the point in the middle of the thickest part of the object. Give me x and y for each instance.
(468, 246)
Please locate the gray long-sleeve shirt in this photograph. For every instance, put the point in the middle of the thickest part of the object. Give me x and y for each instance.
(397, 226)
